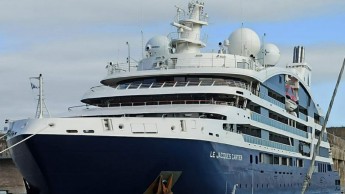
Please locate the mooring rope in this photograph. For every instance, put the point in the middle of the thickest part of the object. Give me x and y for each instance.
(3, 136)
(14, 145)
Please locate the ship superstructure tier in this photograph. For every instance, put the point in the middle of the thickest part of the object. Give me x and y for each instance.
(197, 122)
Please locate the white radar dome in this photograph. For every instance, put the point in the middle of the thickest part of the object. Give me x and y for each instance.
(158, 46)
(245, 42)
(269, 54)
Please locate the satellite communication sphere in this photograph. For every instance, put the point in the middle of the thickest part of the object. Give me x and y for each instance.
(158, 45)
(269, 54)
(245, 42)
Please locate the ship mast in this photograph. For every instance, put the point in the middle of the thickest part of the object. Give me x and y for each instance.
(189, 28)
(40, 98)
(41, 106)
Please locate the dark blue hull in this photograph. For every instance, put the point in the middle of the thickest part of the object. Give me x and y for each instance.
(61, 164)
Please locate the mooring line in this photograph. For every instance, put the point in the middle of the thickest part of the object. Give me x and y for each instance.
(14, 145)
(3, 136)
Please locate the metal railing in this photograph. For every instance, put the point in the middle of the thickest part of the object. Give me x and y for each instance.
(303, 116)
(157, 103)
(214, 60)
(231, 83)
(168, 102)
(268, 143)
(272, 100)
(273, 123)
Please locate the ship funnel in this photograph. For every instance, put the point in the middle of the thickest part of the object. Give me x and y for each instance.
(298, 54)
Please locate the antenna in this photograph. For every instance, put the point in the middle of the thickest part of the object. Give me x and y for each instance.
(242, 15)
(142, 44)
(264, 50)
(242, 38)
(129, 57)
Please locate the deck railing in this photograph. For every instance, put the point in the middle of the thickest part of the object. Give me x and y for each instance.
(268, 143)
(207, 60)
(232, 83)
(303, 116)
(282, 126)
(158, 103)
(272, 100)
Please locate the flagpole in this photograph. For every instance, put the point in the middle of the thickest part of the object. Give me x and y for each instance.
(40, 97)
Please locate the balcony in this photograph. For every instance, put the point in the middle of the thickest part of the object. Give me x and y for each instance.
(282, 126)
(268, 143)
(271, 100)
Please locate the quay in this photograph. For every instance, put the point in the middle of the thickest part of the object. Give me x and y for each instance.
(336, 138)
(11, 180)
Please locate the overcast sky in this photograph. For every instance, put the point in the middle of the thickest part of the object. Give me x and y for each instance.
(70, 43)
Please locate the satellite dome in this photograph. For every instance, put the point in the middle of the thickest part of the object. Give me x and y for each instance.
(158, 45)
(269, 54)
(245, 42)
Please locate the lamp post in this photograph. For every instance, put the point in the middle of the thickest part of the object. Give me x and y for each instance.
(129, 57)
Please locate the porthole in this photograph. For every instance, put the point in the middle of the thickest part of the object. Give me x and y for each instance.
(121, 126)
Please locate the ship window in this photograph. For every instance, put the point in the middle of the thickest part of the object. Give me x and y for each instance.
(183, 125)
(107, 124)
(88, 131)
(72, 131)
(325, 168)
(179, 79)
(337, 182)
(284, 161)
(251, 158)
(266, 158)
(256, 159)
(276, 160)
(299, 162)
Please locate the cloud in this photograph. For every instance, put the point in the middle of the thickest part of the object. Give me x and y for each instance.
(324, 59)
(70, 42)
(63, 12)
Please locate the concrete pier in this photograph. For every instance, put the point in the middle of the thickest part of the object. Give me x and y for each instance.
(336, 137)
(10, 178)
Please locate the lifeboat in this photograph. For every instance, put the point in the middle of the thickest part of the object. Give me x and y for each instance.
(290, 100)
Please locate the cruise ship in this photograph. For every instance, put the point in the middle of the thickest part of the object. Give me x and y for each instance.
(184, 121)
